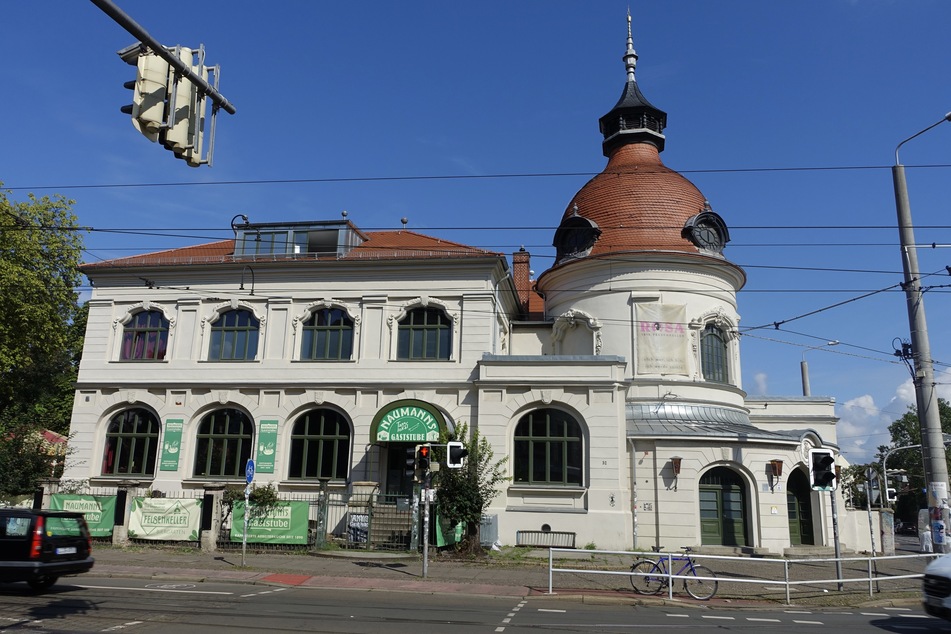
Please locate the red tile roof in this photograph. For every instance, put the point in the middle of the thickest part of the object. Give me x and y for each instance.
(380, 245)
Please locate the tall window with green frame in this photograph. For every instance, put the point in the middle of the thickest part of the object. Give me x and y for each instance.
(424, 334)
(234, 336)
(223, 444)
(549, 449)
(145, 337)
(131, 444)
(320, 446)
(327, 336)
(713, 355)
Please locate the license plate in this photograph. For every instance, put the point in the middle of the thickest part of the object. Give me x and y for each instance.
(68, 550)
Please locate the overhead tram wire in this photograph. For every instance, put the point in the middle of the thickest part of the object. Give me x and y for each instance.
(371, 179)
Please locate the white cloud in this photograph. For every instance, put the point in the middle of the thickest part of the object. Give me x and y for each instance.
(862, 428)
(760, 380)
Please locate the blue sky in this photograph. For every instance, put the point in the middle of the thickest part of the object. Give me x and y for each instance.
(785, 114)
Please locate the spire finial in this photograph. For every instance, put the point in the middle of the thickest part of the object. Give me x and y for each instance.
(630, 57)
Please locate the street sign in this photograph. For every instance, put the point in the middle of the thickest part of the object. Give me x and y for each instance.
(249, 471)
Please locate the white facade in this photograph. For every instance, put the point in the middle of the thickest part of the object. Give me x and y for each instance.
(614, 393)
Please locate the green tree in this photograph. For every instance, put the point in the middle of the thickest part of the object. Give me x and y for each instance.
(465, 494)
(906, 432)
(41, 332)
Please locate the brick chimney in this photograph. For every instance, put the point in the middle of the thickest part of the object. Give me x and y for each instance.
(521, 273)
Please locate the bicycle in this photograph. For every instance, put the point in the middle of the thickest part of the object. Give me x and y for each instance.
(650, 576)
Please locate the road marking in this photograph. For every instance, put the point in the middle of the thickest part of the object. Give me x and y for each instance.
(155, 590)
(720, 618)
(797, 611)
(808, 622)
(123, 626)
(506, 620)
(750, 618)
(916, 616)
(549, 610)
(684, 616)
(873, 614)
(898, 609)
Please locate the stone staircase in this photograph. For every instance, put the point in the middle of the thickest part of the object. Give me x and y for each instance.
(391, 528)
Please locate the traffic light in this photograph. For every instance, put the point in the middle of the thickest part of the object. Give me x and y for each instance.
(424, 455)
(186, 118)
(455, 452)
(822, 469)
(149, 92)
(410, 461)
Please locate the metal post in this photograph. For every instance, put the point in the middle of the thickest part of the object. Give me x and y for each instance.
(425, 535)
(247, 512)
(868, 505)
(835, 538)
(929, 420)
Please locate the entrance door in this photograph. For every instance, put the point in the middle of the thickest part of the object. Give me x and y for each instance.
(722, 508)
(799, 507)
(398, 483)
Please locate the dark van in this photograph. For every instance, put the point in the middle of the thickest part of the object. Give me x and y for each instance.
(39, 547)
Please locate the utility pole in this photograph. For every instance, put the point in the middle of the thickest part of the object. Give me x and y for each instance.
(929, 420)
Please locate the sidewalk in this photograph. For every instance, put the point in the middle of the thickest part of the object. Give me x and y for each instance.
(524, 573)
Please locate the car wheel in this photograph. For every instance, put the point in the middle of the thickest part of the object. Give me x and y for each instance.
(42, 583)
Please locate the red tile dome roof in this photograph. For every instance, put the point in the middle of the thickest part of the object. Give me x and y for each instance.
(638, 203)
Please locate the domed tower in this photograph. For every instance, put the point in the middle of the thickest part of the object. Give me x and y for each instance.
(639, 262)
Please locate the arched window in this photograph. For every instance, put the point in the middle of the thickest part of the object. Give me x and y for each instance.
(234, 337)
(425, 333)
(224, 442)
(145, 337)
(320, 446)
(548, 449)
(713, 355)
(131, 444)
(327, 336)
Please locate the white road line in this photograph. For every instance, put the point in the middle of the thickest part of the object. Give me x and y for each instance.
(797, 611)
(898, 609)
(506, 620)
(548, 610)
(683, 616)
(873, 614)
(155, 590)
(916, 616)
(500, 629)
(750, 618)
(720, 618)
(808, 622)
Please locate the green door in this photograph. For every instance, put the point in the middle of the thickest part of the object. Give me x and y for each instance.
(722, 508)
(799, 508)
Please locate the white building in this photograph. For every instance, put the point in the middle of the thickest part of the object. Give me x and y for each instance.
(612, 384)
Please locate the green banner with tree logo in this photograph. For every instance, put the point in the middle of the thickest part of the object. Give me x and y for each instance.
(286, 523)
(171, 445)
(165, 519)
(267, 446)
(99, 510)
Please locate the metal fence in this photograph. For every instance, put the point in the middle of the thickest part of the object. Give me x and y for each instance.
(886, 573)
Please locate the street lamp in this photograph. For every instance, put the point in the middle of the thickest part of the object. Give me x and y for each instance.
(804, 367)
(932, 445)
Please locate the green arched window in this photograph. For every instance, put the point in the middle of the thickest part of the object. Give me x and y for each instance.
(223, 446)
(320, 446)
(549, 449)
(713, 354)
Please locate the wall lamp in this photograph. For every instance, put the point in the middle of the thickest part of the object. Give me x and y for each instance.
(775, 472)
(776, 468)
(675, 464)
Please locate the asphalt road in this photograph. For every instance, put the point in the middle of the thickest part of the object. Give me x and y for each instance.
(139, 606)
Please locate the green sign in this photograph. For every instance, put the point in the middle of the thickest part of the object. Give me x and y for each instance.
(407, 421)
(165, 519)
(99, 510)
(285, 524)
(267, 446)
(171, 445)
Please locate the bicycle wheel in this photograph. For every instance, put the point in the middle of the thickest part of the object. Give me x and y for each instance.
(652, 582)
(701, 589)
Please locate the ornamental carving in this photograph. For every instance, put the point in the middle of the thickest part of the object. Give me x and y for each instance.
(144, 306)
